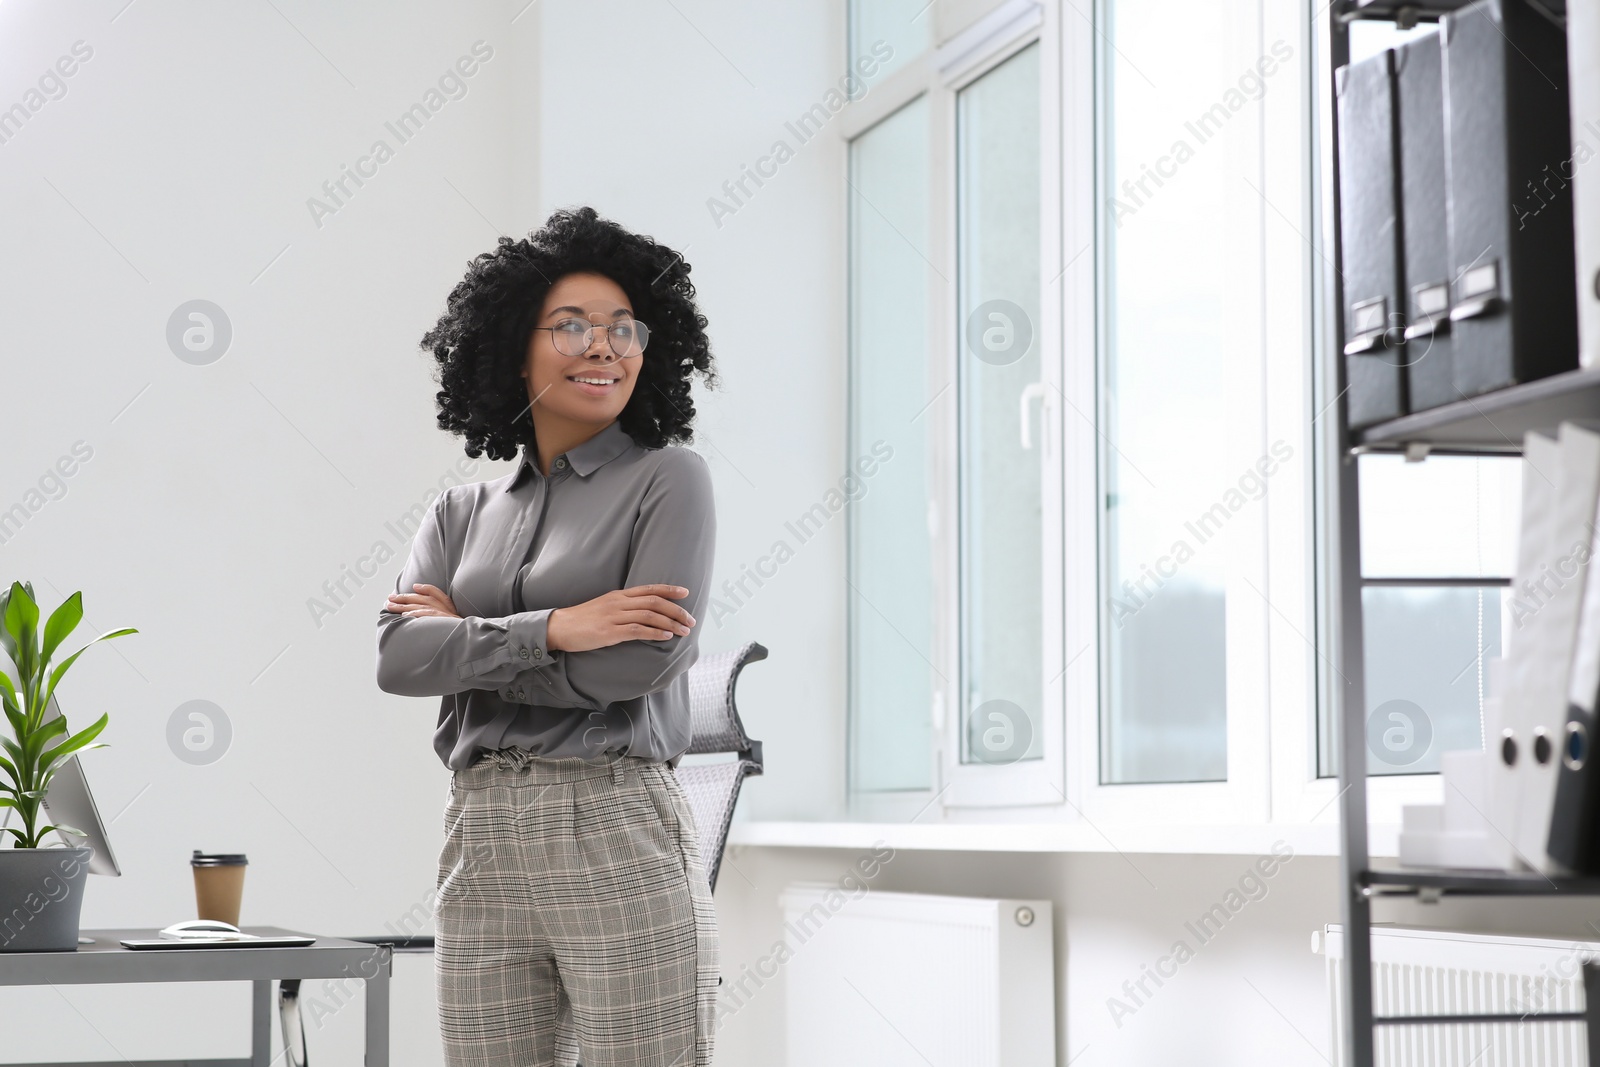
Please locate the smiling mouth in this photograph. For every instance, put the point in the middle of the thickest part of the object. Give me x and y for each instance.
(592, 379)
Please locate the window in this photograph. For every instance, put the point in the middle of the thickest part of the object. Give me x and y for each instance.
(1173, 504)
(955, 546)
(1101, 228)
(1437, 549)
(999, 394)
(904, 28)
(890, 566)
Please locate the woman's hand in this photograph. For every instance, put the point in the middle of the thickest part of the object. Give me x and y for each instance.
(427, 600)
(639, 613)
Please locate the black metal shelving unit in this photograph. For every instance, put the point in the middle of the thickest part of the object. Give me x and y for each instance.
(1492, 424)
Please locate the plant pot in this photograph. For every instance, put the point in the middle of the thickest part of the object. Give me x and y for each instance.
(41, 897)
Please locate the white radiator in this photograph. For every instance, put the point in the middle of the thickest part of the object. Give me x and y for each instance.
(909, 979)
(1438, 972)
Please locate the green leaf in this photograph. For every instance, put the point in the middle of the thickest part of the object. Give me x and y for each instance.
(6, 640)
(61, 669)
(15, 751)
(20, 622)
(19, 721)
(34, 743)
(62, 622)
(22, 614)
(50, 771)
(65, 750)
(55, 675)
(65, 830)
(52, 760)
(37, 747)
(12, 623)
(20, 836)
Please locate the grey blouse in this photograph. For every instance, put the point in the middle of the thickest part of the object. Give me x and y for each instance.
(611, 514)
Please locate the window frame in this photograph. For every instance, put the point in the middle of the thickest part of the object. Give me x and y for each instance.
(1280, 653)
(940, 75)
(1026, 782)
(856, 447)
(1261, 585)
(860, 115)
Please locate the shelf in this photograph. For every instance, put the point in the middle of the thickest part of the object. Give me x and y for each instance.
(1493, 423)
(1426, 10)
(1481, 883)
(1420, 10)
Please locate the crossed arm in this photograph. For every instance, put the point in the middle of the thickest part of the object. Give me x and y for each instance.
(618, 646)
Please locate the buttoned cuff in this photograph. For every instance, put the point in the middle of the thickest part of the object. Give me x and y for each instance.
(525, 646)
(528, 644)
(526, 637)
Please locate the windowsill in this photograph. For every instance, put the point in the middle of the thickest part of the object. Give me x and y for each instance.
(1321, 839)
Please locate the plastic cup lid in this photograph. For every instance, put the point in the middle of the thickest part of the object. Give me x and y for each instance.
(218, 859)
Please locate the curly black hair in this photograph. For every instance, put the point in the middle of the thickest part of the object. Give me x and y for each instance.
(481, 341)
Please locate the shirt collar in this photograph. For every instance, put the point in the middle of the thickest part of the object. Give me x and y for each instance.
(584, 459)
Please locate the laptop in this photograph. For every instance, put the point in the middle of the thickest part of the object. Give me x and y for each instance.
(69, 803)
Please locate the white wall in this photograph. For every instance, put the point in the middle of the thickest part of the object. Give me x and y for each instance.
(1114, 914)
(1254, 994)
(688, 94)
(218, 499)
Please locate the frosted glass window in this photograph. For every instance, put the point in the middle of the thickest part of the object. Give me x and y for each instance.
(998, 395)
(1167, 366)
(1426, 650)
(900, 30)
(890, 595)
(1428, 644)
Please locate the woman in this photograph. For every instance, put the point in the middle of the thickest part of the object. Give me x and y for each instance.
(554, 610)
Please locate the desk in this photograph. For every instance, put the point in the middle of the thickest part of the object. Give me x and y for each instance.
(107, 962)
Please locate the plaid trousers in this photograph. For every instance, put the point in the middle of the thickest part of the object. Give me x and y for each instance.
(573, 917)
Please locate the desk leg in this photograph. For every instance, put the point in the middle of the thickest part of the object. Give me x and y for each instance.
(260, 1023)
(378, 1012)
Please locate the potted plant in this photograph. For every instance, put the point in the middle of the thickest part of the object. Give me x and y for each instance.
(41, 889)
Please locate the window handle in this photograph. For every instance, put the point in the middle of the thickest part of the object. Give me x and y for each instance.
(1032, 391)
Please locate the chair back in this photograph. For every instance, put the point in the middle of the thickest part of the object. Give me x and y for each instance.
(713, 788)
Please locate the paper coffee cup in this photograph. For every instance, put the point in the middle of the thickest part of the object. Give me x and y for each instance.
(218, 885)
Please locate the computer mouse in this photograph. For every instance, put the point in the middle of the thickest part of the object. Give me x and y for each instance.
(199, 928)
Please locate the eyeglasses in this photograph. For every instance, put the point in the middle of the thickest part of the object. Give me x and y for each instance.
(572, 337)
